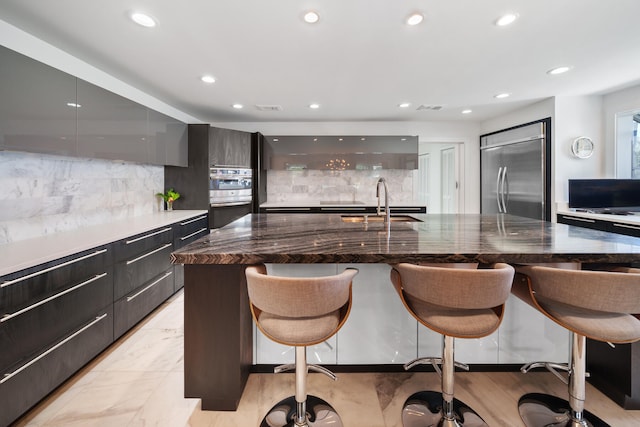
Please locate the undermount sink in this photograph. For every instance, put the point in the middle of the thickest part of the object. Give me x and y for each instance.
(376, 218)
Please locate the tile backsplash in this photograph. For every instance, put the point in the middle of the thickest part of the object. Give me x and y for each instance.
(348, 186)
(44, 194)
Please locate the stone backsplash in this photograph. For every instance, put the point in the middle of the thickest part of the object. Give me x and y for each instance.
(349, 186)
(44, 194)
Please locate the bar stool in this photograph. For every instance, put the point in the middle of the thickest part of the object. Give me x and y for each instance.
(456, 302)
(601, 305)
(300, 312)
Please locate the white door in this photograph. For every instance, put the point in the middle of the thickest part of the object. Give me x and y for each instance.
(449, 179)
(423, 180)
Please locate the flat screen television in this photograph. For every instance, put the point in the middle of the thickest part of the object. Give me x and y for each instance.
(601, 195)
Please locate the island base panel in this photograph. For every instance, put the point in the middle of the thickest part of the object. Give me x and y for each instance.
(218, 341)
(615, 371)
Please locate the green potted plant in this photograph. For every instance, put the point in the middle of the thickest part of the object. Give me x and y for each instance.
(169, 197)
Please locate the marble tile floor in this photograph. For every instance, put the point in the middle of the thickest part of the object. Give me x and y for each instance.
(139, 382)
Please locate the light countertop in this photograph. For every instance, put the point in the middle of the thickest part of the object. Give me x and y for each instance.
(23, 254)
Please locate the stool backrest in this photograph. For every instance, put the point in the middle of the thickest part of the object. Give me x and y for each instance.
(610, 291)
(465, 288)
(298, 296)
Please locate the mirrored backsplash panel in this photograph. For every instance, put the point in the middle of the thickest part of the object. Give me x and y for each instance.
(44, 194)
(338, 187)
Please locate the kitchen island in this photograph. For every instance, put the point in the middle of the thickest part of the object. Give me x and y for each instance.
(218, 325)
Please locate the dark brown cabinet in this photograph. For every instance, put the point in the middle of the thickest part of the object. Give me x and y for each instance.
(57, 316)
(54, 318)
(228, 147)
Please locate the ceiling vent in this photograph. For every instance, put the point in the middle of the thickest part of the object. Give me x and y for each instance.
(269, 107)
(429, 107)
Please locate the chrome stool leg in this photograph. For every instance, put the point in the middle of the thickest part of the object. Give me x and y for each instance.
(537, 409)
(431, 408)
(302, 410)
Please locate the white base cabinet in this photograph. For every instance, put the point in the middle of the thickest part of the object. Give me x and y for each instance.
(380, 331)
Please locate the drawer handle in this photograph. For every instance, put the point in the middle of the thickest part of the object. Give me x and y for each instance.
(149, 286)
(193, 220)
(193, 234)
(578, 219)
(343, 209)
(51, 298)
(131, 261)
(146, 236)
(60, 344)
(626, 226)
(46, 270)
(286, 209)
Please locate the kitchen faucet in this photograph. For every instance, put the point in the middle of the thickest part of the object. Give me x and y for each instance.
(387, 210)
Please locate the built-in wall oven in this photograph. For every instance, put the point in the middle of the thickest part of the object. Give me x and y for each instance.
(229, 186)
(230, 194)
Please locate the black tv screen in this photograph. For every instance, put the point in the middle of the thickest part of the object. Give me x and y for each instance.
(604, 194)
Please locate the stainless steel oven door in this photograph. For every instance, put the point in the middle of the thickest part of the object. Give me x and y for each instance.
(230, 197)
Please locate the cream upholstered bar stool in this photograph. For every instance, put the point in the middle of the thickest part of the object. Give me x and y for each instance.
(457, 301)
(601, 305)
(299, 312)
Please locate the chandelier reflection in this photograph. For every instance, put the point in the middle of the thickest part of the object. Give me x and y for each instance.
(337, 164)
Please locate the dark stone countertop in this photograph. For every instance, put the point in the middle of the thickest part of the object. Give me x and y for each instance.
(300, 238)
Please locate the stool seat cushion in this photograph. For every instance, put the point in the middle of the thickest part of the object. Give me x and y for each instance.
(299, 331)
(467, 323)
(598, 325)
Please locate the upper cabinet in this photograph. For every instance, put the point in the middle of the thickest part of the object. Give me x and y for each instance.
(228, 147)
(110, 126)
(353, 152)
(45, 110)
(37, 106)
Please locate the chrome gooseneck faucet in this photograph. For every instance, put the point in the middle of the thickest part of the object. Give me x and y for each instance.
(387, 210)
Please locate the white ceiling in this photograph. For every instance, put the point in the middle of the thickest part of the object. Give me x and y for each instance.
(358, 62)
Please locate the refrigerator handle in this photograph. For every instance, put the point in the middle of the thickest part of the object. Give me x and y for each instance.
(498, 189)
(504, 189)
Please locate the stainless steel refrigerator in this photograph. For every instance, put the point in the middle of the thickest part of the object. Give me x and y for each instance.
(515, 171)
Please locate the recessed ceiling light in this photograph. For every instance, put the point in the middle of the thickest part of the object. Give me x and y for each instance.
(363, 139)
(208, 79)
(237, 106)
(311, 17)
(315, 139)
(404, 105)
(558, 70)
(502, 95)
(506, 19)
(143, 19)
(275, 140)
(73, 104)
(415, 18)
(467, 111)
(314, 106)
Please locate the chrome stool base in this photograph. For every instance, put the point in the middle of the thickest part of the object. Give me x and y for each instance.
(424, 408)
(537, 409)
(319, 413)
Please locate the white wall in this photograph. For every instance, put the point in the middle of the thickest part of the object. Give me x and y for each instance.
(428, 132)
(577, 116)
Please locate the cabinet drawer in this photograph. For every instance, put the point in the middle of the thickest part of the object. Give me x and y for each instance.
(189, 230)
(134, 246)
(594, 224)
(627, 229)
(130, 273)
(26, 331)
(25, 383)
(26, 287)
(133, 307)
